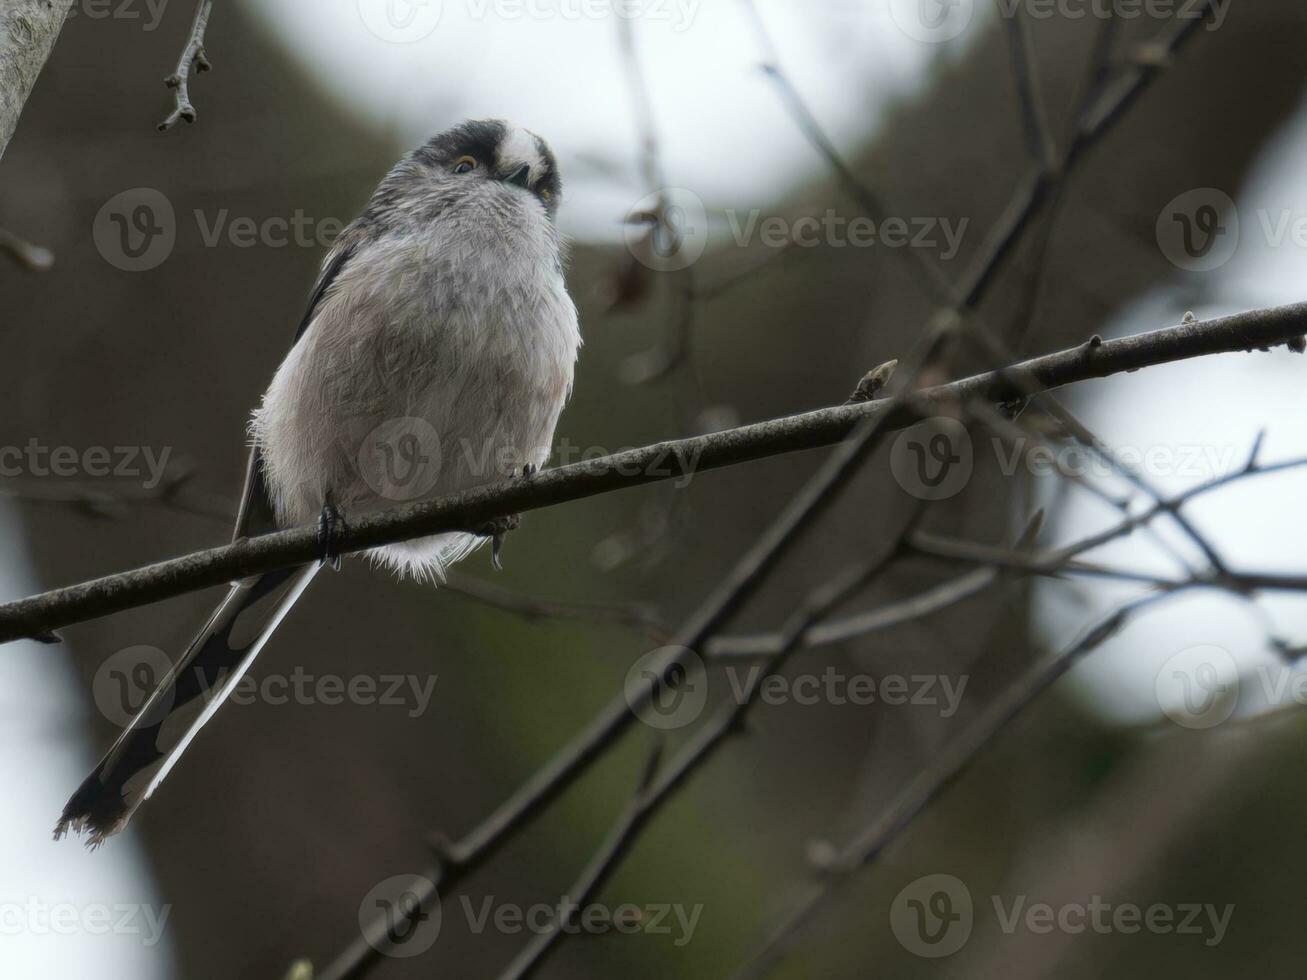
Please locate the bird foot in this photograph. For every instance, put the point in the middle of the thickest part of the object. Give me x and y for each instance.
(331, 525)
(495, 531)
(497, 528)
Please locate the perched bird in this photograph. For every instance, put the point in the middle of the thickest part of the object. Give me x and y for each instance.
(436, 355)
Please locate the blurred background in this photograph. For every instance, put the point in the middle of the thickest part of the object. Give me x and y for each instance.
(266, 843)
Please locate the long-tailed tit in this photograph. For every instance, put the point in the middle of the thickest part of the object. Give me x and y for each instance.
(436, 355)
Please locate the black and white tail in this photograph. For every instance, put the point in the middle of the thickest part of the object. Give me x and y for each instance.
(193, 690)
(214, 663)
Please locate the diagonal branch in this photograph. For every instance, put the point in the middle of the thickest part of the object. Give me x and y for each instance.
(40, 615)
(952, 762)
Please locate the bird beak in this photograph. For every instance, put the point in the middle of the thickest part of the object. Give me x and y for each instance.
(520, 177)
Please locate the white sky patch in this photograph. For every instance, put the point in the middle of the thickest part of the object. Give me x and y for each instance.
(63, 911)
(554, 67)
(1200, 418)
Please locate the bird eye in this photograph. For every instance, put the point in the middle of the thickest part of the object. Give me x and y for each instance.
(465, 165)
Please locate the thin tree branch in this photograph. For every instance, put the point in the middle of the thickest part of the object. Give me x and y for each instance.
(104, 499)
(1034, 122)
(954, 760)
(637, 617)
(1098, 119)
(929, 275)
(728, 720)
(29, 256)
(718, 608)
(193, 58)
(41, 615)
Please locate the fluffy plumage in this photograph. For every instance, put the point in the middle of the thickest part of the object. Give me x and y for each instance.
(436, 355)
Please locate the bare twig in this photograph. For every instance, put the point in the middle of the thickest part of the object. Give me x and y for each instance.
(641, 618)
(1034, 122)
(193, 58)
(104, 499)
(937, 777)
(1097, 120)
(930, 277)
(31, 257)
(718, 608)
(702, 746)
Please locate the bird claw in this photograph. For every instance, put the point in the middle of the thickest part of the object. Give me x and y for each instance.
(331, 524)
(495, 531)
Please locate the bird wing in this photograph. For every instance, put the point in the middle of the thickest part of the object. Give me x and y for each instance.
(256, 515)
